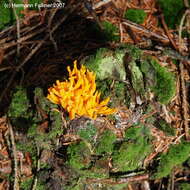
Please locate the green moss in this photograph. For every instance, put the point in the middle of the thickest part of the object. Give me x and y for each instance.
(28, 146)
(165, 127)
(104, 87)
(145, 73)
(165, 83)
(150, 75)
(79, 156)
(184, 186)
(119, 88)
(135, 15)
(130, 155)
(47, 139)
(19, 111)
(158, 79)
(110, 31)
(173, 11)
(105, 142)
(19, 104)
(118, 94)
(26, 184)
(134, 52)
(176, 155)
(56, 125)
(43, 102)
(94, 173)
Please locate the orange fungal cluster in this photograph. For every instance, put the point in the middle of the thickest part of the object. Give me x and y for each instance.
(78, 95)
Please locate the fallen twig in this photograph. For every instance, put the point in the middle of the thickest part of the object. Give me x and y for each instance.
(123, 180)
(121, 32)
(184, 102)
(49, 27)
(17, 26)
(141, 28)
(101, 3)
(16, 173)
(13, 43)
(167, 32)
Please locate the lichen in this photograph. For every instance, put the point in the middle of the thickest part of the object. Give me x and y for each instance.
(136, 78)
(107, 64)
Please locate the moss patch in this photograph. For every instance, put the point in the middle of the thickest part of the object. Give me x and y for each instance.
(176, 155)
(165, 127)
(165, 83)
(173, 11)
(135, 15)
(133, 151)
(184, 186)
(105, 143)
(159, 79)
(87, 133)
(78, 156)
(110, 31)
(20, 104)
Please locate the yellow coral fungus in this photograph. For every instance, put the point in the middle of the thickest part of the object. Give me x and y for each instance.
(78, 95)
